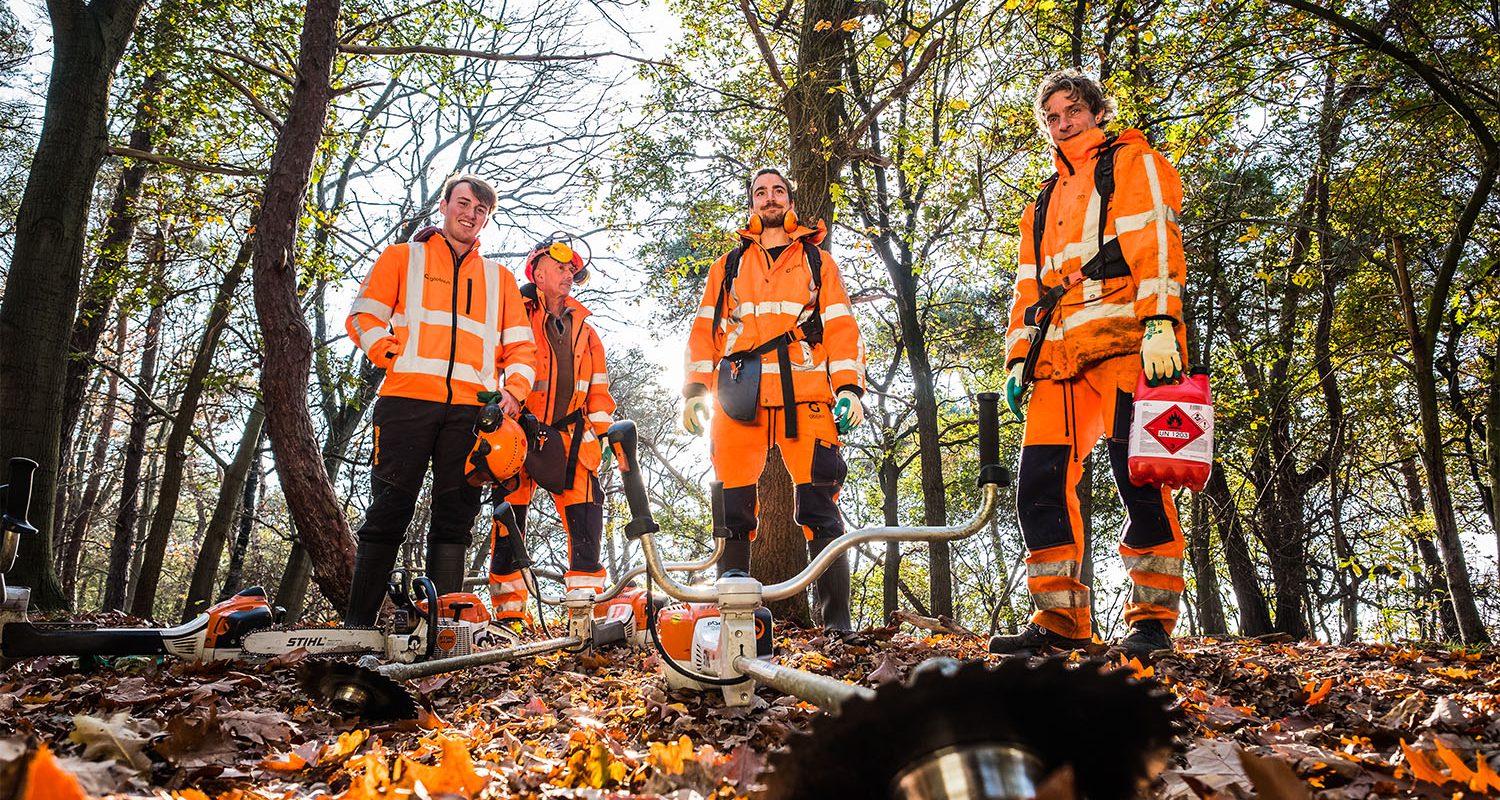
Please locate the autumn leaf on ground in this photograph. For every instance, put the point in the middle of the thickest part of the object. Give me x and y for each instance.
(285, 762)
(47, 780)
(1315, 692)
(111, 738)
(669, 756)
(453, 773)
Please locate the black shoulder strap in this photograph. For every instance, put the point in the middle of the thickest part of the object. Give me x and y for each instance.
(731, 269)
(1039, 224)
(1104, 180)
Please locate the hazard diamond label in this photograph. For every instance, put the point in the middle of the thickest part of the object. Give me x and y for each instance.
(1173, 429)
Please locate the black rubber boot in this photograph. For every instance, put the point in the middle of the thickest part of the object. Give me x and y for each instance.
(445, 566)
(372, 571)
(736, 557)
(1034, 640)
(833, 589)
(1145, 639)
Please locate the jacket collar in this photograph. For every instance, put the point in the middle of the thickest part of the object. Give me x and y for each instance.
(813, 235)
(533, 300)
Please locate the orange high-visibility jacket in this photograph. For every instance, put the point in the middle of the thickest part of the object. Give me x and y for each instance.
(1099, 319)
(443, 331)
(767, 300)
(590, 379)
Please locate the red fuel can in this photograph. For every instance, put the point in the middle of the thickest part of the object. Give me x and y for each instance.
(1172, 433)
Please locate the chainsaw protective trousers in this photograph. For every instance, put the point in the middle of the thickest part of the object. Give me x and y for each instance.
(1064, 420)
(739, 449)
(582, 512)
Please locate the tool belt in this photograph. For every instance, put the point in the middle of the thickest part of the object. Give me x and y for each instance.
(551, 456)
(739, 375)
(1108, 262)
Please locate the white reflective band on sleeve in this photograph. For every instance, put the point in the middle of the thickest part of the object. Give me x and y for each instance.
(1162, 270)
(1135, 222)
(1052, 569)
(1150, 595)
(599, 379)
(846, 363)
(601, 416)
(700, 366)
(1047, 601)
(580, 386)
(520, 333)
(706, 312)
(1016, 337)
(524, 370)
(372, 337)
(1158, 565)
(375, 308)
(1152, 287)
(835, 311)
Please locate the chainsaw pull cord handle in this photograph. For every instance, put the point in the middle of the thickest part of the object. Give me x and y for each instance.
(427, 590)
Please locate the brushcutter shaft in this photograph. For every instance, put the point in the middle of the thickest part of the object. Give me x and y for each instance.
(422, 669)
(827, 693)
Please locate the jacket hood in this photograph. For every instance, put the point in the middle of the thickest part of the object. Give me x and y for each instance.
(533, 299)
(814, 235)
(1072, 153)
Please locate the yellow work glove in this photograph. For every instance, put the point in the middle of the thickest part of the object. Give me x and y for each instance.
(694, 414)
(1014, 389)
(1159, 357)
(848, 412)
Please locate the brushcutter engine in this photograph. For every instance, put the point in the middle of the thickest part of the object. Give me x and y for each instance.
(690, 635)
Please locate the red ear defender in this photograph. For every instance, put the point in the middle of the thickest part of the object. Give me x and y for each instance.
(755, 226)
(791, 221)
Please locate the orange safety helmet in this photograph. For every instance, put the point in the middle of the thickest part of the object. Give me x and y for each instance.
(499, 448)
(561, 246)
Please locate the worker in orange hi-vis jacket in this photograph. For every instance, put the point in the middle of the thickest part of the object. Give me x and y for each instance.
(1098, 299)
(571, 397)
(445, 324)
(776, 346)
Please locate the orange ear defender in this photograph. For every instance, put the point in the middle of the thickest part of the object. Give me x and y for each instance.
(755, 226)
(791, 220)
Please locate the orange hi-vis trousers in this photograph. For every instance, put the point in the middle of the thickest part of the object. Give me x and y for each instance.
(581, 510)
(738, 450)
(1064, 420)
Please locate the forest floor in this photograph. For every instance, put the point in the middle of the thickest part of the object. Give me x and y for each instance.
(1366, 720)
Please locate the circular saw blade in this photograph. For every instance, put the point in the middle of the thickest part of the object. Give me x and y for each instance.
(1115, 730)
(354, 691)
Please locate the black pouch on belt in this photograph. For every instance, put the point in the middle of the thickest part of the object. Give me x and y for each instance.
(550, 460)
(739, 385)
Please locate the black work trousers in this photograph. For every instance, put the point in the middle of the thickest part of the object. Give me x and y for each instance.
(409, 435)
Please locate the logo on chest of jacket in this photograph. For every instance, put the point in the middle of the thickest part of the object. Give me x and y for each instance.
(443, 279)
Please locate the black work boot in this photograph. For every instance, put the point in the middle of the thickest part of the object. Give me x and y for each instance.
(445, 566)
(1144, 639)
(372, 571)
(833, 590)
(735, 558)
(1034, 640)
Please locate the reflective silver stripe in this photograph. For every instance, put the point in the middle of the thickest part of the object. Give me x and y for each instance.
(491, 337)
(706, 312)
(1151, 595)
(1156, 565)
(601, 416)
(747, 309)
(519, 333)
(846, 363)
(1162, 272)
(516, 584)
(524, 370)
(416, 284)
(375, 308)
(700, 366)
(371, 337)
(580, 386)
(1047, 601)
(1052, 569)
(1016, 337)
(1135, 222)
(584, 582)
(510, 605)
(1157, 286)
(1086, 314)
(599, 379)
(835, 311)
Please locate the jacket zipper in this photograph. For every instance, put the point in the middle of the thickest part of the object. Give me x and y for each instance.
(453, 325)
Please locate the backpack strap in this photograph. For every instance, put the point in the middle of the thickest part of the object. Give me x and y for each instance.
(731, 270)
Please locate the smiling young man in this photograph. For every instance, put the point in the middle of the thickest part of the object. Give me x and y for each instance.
(776, 345)
(1101, 262)
(571, 395)
(445, 324)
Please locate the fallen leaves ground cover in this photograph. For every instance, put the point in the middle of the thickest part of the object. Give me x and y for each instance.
(1279, 718)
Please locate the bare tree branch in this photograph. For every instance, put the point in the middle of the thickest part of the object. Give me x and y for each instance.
(195, 166)
(260, 65)
(929, 55)
(530, 58)
(764, 45)
(260, 108)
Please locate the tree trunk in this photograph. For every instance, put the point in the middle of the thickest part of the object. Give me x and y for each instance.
(117, 584)
(143, 518)
(233, 575)
(1436, 590)
(309, 493)
(79, 525)
(175, 458)
(291, 592)
(890, 507)
(114, 254)
(41, 290)
(1205, 575)
(1254, 617)
(1450, 546)
(1492, 445)
(780, 549)
(226, 508)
